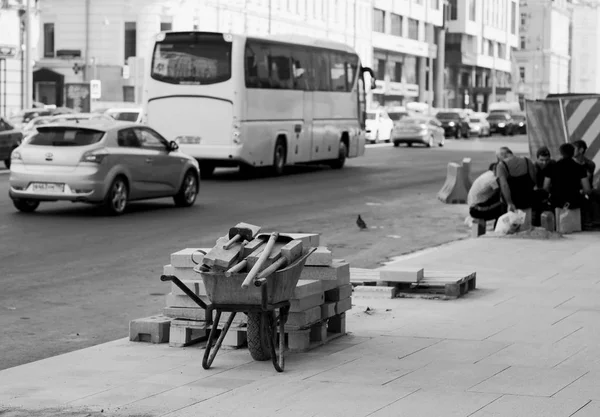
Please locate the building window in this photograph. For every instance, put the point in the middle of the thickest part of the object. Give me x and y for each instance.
(436, 4)
(166, 26)
(419, 1)
(501, 51)
(453, 9)
(413, 29)
(128, 94)
(523, 43)
(472, 10)
(379, 20)
(523, 19)
(397, 72)
(410, 70)
(396, 25)
(48, 40)
(130, 39)
(522, 73)
(380, 69)
(513, 18)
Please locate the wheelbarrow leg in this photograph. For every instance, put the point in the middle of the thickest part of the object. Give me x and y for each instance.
(209, 353)
(278, 323)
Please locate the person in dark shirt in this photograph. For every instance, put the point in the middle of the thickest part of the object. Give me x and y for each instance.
(542, 164)
(567, 181)
(590, 209)
(580, 158)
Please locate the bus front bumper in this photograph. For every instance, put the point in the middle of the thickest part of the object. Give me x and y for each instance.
(217, 155)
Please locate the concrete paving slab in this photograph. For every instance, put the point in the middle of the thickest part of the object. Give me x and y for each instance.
(529, 381)
(588, 359)
(447, 376)
(591, 409)
(534, 355)
(585, 388)
(516, 406)
(437, 403)
(381, 371)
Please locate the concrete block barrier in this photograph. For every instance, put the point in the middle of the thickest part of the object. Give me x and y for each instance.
(457, 185)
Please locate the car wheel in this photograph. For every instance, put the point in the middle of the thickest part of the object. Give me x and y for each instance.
(7, 163)
(342, 155)
(396, 144)
(457, 134)
(279, 154)
(390, 136)
(409, 144)
(429, 143)
(207, 170)
(115, 201)
(186, 197)
(26, 206)
(442, 142)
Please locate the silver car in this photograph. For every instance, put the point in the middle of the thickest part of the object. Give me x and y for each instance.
(100, 162)
(425, 130)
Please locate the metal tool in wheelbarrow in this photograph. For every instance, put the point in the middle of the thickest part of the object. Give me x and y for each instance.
(241, 232)
(253, 250)
(261, 260)
(289, 254)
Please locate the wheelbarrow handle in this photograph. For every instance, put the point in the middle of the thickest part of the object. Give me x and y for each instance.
(185, 289)
(261, 260)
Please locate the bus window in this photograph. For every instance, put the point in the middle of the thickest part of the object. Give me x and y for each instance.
(257, 66)
(192, 59)
(321, 63)
(280, 68)
(301, 65)
(338, 72)
(351, 70)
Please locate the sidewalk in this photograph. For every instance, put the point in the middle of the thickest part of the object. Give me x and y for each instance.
(526, 343)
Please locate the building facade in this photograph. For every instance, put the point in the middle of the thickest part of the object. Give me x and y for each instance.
(12, 53)
(585, 57)
(110, 40)
(482, 36)
(405, 49)
(544, 57)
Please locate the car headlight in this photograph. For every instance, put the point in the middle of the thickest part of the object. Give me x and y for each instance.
(501, 124)
(15, 155)
(451, 124)
(521, 124)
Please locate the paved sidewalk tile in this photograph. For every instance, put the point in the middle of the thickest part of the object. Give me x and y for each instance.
(463, 351)
(436, 404)
(514, 406)
(535, 355)
(529, 381)
(587, 388)
(592, 409)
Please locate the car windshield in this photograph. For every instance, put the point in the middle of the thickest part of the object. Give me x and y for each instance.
(447, 116)
(65, 136)
(495, 113)
(395, 116)
(130, 116)
(371, 116)
(519, 118)
(475, 120)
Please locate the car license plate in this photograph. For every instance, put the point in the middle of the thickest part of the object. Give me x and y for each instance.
(189, 140)
(47, 188)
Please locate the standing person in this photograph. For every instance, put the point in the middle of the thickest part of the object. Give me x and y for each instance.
(517, 176)
(567, 181)
(484, 197)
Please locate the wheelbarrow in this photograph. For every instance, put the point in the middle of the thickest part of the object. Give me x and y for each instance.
(266, 303)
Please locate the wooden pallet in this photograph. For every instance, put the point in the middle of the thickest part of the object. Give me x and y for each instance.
(440, 285)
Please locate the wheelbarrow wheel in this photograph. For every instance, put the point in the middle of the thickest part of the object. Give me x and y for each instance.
(258, 336)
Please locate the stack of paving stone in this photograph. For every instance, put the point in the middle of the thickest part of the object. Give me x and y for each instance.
(317, 312)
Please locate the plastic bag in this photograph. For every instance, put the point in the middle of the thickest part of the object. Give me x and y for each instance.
(568, 220)
(510, 222)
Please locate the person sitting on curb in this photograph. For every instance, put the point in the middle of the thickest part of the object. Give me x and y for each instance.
(484, 197)
(581, 159)
(543, 162)
(567, 180)
(516, 176)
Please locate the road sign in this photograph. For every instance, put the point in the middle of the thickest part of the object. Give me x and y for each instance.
(95, 89)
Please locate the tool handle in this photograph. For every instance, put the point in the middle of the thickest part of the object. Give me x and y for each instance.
(232, 241)
(274, 267)
(261, 260)
(236, 268)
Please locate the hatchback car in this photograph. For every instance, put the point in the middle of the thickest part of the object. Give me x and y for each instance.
(379, 126)
(425, 130)
(455, 123)
(100, 162)
(31, 127)
(126, 114)
(10, 139)
(479, 125)
(501, 121)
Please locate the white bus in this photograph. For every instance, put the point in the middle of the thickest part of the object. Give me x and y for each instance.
(231, 100)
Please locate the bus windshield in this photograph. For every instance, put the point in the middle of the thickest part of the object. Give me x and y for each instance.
(192, 58)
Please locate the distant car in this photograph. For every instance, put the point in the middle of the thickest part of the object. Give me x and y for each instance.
(424, 130)
(126, 114)
(501, 121)
(379, 126)
(24, 116)
(520, 123)
(31, 127)
(10, 139)
(100, 162)
(479, 125)
(455, 123)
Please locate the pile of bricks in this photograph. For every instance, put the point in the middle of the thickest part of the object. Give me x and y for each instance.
(317, 312)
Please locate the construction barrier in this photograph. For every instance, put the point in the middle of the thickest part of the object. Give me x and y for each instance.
(457, 185)
(544, 126)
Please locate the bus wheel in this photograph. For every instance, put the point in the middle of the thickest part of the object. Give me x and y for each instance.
(343, 154)
(279, 155)
(206, 170)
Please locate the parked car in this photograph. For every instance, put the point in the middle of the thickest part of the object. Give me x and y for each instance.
(418, 129)
(126, 114)
(31, 127)
(100, 162)
(455, 124)
(479, 125)
(501, 121)
(24, 116)
(520, 123)
(379, 126)
(10, 139)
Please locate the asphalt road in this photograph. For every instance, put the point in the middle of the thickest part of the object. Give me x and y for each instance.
(72, 278)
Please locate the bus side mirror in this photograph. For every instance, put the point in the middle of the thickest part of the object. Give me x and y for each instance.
(372, 74)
